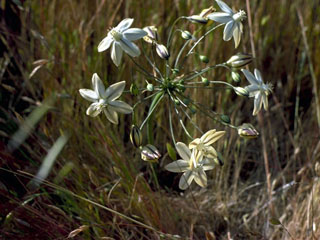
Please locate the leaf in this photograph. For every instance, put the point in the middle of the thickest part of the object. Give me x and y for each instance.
(274, 221)
(171, 152)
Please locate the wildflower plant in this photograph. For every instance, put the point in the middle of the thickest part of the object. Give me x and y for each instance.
(167, 80)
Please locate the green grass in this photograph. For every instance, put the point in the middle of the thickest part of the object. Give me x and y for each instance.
(99, 180)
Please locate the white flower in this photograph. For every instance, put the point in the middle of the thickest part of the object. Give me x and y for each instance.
(193, 165)
(121, 38)
(233, 20)
(105, 99)
(203, 144)
(258, 90)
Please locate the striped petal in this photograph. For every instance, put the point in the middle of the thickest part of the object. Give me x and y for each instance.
(224, 7)
(116, 53)
(105, 43)
(121, 107)
(89, 95)
(124, 24)
(115, 90)
(257, 104)
(178, 166)
(98, 86)
(93, 110)
(186, 180)
(183, 151)
(220, 17)
(111, 115)
(129, 47)
(228, 30)
(250, 77)
(200, 177)
(258, 76)
(133, 34)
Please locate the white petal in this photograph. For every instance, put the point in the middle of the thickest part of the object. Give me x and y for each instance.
(186, 180)
(211, 152)
(178, 166)
(183, 151)
(129, 47)
(121, 107)
(194, 143)
(265, 101)
(208, 164)
(105, 43)
(252, 89)
(250, 77)
(258, 76)
(115, 90)
(236, 34)
(111, 115)
(220, 17)
(257, 104)
(200, 178)
(224, 7)
(133, 34)
(98, 86)
(116, 53)
(211, 136)
(93, 110)
(228, 30)
(124, 24)
(89, 95)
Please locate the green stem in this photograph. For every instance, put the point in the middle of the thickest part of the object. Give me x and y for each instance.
(180, 52)
(171, 29)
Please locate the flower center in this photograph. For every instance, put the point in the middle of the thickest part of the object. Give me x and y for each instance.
(239, 16)
(101, 104)
(201, 147)
(115, 34)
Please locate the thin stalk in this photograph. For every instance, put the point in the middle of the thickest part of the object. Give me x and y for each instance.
(182, 124)
(203, 71)
(180, 52)
(152, 110)
(171, 29)
(192, 122)
(170, 124)
(150, 62)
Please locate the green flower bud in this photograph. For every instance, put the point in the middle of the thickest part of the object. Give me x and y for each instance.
(162, 51)
(150, 87)
(204, 59)
(197, 19)
(225, 119)
(247, 131)
(193, 109)
(150, 153)
(186, 35)
(186, 101)
(219, 159)
(239, 60)
(177, 102)
(181, 87)
(235, 76)
(134, 90)
(241, 91)
(205, 81)
(135, 136)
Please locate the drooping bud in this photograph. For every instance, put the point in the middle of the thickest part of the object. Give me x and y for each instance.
(150, 153)
(150, 87)
(239, 60)
(203, 58)
(135, 136)
(186, 35)
(134, 90)
(152, 34)
(235, 76)
(162, 51)
(225, 119)
(197, 19)
(247, 131)
(241, 91)
(205, 81)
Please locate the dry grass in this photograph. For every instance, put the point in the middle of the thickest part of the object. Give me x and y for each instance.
(99, 180)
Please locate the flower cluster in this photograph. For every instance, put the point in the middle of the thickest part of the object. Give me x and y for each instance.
(171, 81)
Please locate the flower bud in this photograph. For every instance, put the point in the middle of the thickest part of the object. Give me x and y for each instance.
(239, 60)
(152, 34)
(235, 76)
(204, 59)
(150, 87)
(134, 90)
(205, 12)
(150, 153)
(225, 119)
(246, 130)
(205, 81)
(187, 35)
(135, 136)
(162, 51)
(241, 91)
(197, 19)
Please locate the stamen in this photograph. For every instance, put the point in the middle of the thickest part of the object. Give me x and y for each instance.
(115, 34)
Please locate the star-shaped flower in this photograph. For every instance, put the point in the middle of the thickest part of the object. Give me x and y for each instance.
(258, 90)
(193, 165)
(232, 20)
(203, 144)
(121, 38)
(105, 99)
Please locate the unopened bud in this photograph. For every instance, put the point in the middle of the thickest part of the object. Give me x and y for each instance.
(235, 76)
(135, 136)
(239, 60)
(197, 19)
(152, 34)
(186, 35)
(225, 119)
(204, 59)
(150, 153)
(205, 81)
(205, 12)
(241, 91)
(134, 90)
(162, 51)
(246, 130)
(150, 87)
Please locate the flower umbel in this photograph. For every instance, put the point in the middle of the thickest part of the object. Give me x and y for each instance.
(193, 165)
(232, 20)
(121, 38)
(105, 99)
(258, 90)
